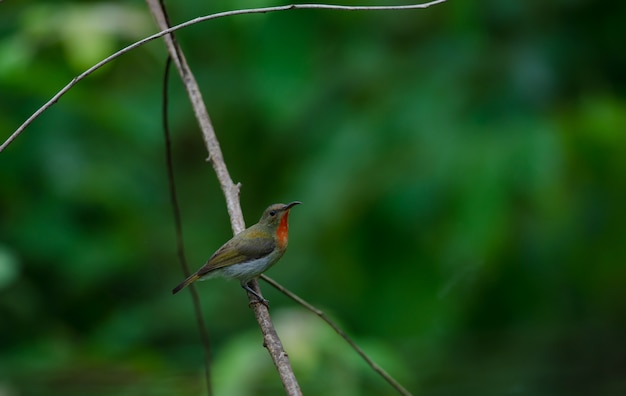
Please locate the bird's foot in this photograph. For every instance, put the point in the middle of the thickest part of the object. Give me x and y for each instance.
(262, 301)
(259, 300)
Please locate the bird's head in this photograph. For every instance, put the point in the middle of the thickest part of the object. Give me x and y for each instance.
(276, 215)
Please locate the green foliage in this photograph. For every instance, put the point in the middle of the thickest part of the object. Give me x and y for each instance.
(462, 172)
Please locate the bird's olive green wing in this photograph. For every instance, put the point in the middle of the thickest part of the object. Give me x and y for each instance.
(251, 246)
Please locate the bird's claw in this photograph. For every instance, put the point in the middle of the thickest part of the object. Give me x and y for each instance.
(260, 301)
(259, 298)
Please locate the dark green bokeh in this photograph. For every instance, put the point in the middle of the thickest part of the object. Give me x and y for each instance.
(462, 170)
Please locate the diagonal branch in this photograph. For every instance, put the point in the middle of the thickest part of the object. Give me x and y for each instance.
(231, 193)
(341, 333)
(164, 32)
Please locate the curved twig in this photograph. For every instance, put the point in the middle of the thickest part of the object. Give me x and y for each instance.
(162, 33)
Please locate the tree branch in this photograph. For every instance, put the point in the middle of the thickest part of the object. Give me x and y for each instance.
(164, 32)
(231, 193)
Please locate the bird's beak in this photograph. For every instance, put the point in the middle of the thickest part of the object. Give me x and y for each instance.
(291, 204)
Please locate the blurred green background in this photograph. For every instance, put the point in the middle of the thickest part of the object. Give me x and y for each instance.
(462, 168)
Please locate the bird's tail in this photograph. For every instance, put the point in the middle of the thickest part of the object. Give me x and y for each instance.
(185, 283)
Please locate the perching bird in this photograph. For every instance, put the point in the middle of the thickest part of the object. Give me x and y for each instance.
(249, 253)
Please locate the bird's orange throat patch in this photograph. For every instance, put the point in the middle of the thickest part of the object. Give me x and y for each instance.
(282, 233)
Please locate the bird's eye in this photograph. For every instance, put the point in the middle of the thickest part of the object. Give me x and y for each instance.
(273, 213)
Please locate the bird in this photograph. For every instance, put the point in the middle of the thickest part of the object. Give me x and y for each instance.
(249, 253)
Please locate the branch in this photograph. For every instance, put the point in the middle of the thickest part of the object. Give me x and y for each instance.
(231, 193)
(164, 32)
(341, 333)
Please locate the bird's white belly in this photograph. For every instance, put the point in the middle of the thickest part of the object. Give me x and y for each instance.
(243, 271)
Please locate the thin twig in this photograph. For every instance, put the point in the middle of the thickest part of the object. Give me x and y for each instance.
(341, 333)
(180, 247)
(162, 33)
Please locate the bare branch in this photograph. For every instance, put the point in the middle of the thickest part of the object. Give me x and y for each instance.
(139, 43)
(341, 333)
(230, 189)
(231, 192)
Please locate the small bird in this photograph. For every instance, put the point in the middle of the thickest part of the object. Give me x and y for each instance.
(249, 253)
